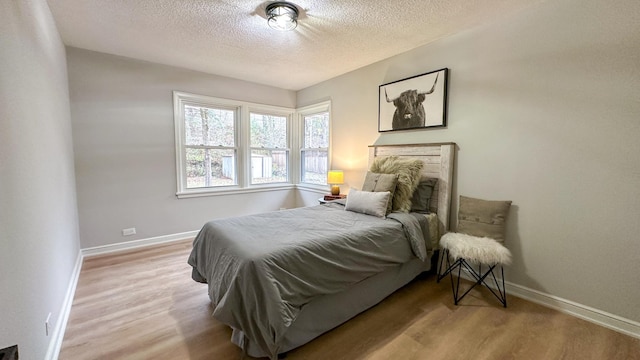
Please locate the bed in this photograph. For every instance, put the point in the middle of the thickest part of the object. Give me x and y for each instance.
(281, 279)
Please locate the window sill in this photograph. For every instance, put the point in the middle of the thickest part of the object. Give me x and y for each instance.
(231, 191)
(320, 189)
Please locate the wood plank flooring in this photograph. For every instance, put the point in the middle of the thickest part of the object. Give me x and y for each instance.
(142, 304)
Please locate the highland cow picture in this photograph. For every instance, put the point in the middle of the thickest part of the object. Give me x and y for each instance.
(417, 102)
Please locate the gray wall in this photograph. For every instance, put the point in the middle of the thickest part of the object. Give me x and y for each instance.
(39, 242)
(543, 106)
(123, 135)
(545, 109)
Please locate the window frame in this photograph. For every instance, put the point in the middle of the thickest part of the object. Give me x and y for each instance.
(275, 111)
(301, 113)
(243, 109)
(235, 148)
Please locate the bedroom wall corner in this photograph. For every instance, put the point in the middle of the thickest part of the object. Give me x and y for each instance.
(38, 211)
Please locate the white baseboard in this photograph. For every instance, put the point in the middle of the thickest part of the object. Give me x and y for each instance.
(602, 318)
(599, 317)
(128, 245)
(58, 332)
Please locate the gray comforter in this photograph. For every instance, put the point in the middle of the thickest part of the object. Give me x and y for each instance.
(261, 269)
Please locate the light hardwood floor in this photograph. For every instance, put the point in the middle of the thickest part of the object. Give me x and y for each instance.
(142, 304)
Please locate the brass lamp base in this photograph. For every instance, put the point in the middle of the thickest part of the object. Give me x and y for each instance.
(335, 190)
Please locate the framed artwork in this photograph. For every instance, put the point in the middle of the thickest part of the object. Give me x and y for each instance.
(417, 102)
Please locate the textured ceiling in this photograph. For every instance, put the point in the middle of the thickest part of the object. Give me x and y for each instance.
(232, 38)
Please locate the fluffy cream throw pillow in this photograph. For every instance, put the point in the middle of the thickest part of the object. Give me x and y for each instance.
(408, 171)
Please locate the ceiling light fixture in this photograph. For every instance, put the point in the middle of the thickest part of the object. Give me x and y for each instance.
(282, 15)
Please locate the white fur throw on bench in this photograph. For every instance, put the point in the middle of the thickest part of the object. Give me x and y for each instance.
(475, 249)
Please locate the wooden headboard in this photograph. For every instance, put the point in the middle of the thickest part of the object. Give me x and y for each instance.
(438, 163)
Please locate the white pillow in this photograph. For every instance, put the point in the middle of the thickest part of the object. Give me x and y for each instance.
(366, 202)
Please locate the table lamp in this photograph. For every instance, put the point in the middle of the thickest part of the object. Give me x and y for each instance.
(335, 178)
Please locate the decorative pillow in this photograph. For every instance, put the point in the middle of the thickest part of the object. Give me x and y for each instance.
(408, 171)
(483, 218)
(366, 202)
(420, 202)
(379, 183)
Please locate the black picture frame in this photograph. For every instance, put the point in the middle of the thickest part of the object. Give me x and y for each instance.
(417, 102)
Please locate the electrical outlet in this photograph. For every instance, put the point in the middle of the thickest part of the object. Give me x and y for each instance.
(47, 325)
(128, 232)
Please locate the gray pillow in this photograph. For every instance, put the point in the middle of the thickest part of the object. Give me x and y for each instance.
(375, 182)
(408, 171)
(421, 200)
(366, 202)
(483, 218)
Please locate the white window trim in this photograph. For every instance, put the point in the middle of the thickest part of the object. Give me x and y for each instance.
(243, 110)
(301, 112)
(270, 110)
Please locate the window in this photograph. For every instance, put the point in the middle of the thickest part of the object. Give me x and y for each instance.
(225, 146)
(269, 148)
(314, 147)
(210, 146)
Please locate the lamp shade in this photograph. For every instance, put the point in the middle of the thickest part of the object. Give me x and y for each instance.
(335, 177)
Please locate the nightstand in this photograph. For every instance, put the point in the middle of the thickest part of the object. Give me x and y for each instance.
(325, 199)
